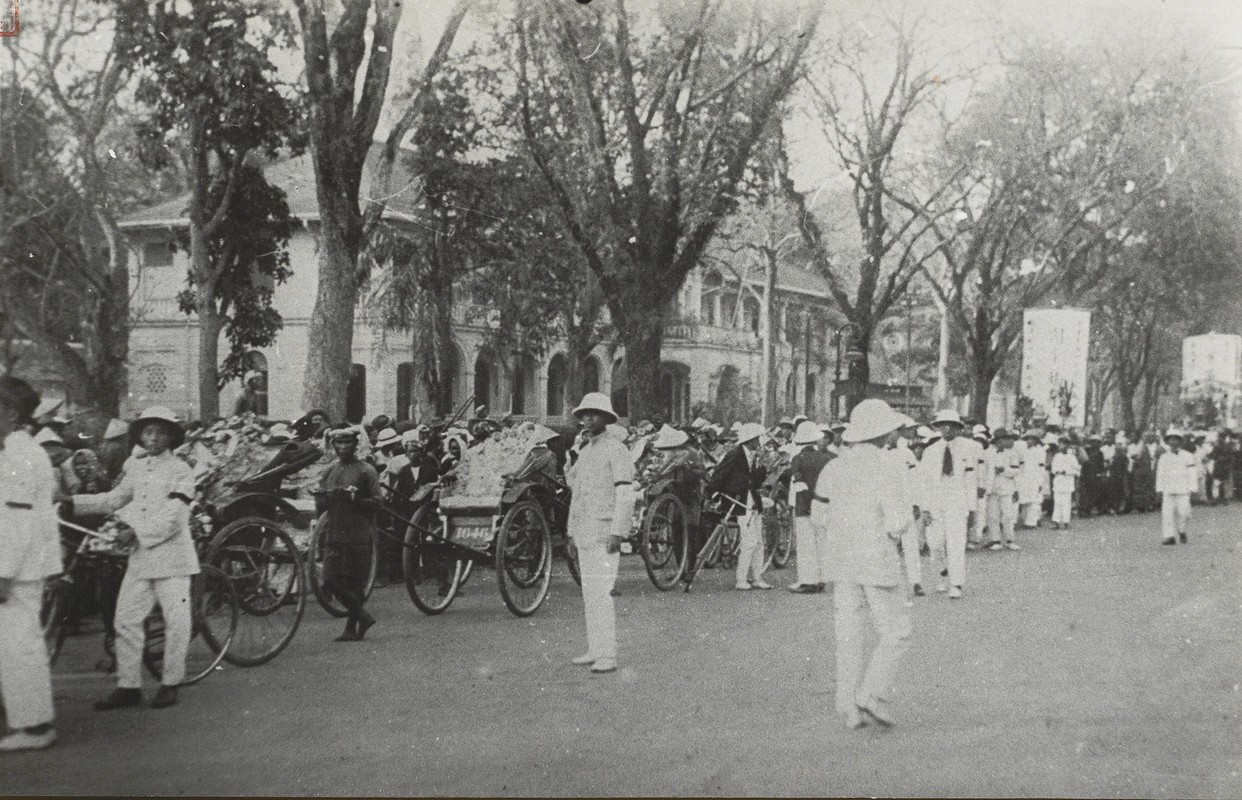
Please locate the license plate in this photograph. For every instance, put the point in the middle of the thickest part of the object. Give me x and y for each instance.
(473, 535)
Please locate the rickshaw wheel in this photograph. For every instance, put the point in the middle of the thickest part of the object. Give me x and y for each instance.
(778, 535)
(262, 561)
(524, 558)
(314, 570)
(664, 541)
(431, 579)
(216, 610)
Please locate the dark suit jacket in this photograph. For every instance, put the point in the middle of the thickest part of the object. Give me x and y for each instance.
(734, 477)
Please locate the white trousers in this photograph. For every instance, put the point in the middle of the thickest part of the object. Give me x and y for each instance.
(887, 605)
(1062, 504)
(750, 554)
(599, 575)
(25, 681)
(809, 543)
(1002, 517)
(946, 536)
(134, 602)
(910, 551)
(1031, 512)
(974, 531)
(1174, 514)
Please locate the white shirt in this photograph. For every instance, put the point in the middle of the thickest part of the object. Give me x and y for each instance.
(29, 533)
(1003, 469)
(937, 491)
(1065, 468)
(1177, 473)
(868, 507)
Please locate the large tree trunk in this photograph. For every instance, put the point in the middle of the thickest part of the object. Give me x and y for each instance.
(1125, 401)
(641, 331)
(445, 361)
(330, 337)
(859, 372)
(984, 366)
(108, 349)
(769, 342)
(209, 326)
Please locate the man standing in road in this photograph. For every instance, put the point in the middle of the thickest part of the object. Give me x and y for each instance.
(739, 476)
(867, 507)
(949, 489)
(1002, 509)
(599, 519)
(29, 552)
(804, 473)
(344, 490)
(1177, 478)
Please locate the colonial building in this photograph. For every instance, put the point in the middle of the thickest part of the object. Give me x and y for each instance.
(712, 356)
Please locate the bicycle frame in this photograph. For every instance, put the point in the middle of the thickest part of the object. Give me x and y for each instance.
(713, 541)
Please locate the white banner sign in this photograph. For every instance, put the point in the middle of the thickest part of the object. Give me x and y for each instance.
(1054, 363)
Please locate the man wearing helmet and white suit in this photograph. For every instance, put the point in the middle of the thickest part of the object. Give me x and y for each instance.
(862, 507)
(949, 489)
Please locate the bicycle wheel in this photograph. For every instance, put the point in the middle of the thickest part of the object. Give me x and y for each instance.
(314, 569)
(524, 558)
(52, 614)
(708, 553)
(663, 544)
(216, 609)
(431, 577)
(778, 539)
(730, 545)
(262, 561)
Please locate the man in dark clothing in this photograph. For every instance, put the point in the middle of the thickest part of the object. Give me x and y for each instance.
(803, 473)
(345, 490)
(1091, 491)
(739, 476)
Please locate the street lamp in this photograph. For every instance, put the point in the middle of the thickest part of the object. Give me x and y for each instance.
(851, 355)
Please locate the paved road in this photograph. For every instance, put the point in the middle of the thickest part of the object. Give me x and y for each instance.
(1092, 663)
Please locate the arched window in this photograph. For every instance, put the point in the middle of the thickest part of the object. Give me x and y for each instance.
(523, 395)
(728, 394)
(257, 362)
(751, 313)
(590, 375)
(356, 394)
(484, 381)
(791, 389)
(556, 386)
(709, 300)
(810, 409)
(405, 390)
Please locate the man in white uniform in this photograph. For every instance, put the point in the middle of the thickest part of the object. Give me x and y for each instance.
(866, 511)
(599, 518)
(911, 534)
(1032, 478)
(979, 518)
(1003, 465)
(29, 553)
(1177, 478)
(948, 490)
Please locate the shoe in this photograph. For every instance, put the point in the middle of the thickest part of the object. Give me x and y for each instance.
(854, 719)
(604, 665)
(1013, 545)
(803, 588)
(972, 546)
(1169, 541)
(877, 713)
(25, 740)
(918, 590)
(761, 585)
(944, 573)
(993, 545)
(942, 587)
(165, 696)
(584, 660)
(120, 698)
(1181, 537)
(955, 593)
(742, 587)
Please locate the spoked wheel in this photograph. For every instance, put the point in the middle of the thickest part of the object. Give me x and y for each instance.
(663, 544)
(524, 558)
(431, 576)
(730, 544)
(52, 614)
(778, 536)
(262, 561)
(314, 569)
(215, 614)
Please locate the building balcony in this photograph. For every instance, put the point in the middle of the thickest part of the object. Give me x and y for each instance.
(691, 332)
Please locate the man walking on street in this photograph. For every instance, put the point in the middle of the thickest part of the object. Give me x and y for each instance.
(29, 553)
(599, 518)
(345, 489)
(865, 512)
(1177, 476)
(948, 490)
(1002, 511)
(739, 476)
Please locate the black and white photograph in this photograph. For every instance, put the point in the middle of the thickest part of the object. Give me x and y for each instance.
(621, 398)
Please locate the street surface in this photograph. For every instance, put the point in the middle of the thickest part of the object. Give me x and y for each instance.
(1092, 663)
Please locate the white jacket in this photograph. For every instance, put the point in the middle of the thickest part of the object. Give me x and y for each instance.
(1177, 473)
(938, 492)
(153, 497)
(29, 532)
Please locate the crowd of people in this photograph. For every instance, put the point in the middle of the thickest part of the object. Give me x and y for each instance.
(870, 499)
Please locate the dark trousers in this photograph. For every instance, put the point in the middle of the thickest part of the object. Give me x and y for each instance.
(346, 567)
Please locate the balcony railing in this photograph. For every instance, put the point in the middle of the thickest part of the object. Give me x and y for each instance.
(690, 331)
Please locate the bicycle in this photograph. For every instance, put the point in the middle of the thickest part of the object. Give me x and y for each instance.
(723, 545)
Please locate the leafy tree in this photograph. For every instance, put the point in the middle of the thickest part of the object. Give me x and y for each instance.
(214, 96)
(644, 134)
(344, 114)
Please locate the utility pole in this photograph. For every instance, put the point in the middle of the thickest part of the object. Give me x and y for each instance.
(806, 368)
(909, 345)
